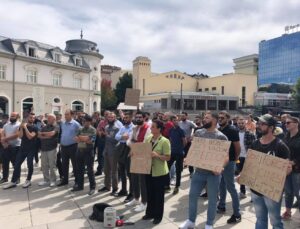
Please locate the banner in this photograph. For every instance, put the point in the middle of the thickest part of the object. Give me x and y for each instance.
(132, 97)
(141, 159)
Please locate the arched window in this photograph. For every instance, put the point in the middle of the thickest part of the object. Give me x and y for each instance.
(3, 105)
(95, 106)
(77, 106)
(27, 106)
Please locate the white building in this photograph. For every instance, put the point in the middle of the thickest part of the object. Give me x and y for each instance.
(42, 78)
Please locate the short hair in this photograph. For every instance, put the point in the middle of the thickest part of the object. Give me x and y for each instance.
(214, 115)
(225, 113)
(87, 118)
(128, 113)
(31, 113)
(70, 111)
(140, 113)
(147, 113)
(173, 117)
(294, 119)
(185, 113)
(159, 124)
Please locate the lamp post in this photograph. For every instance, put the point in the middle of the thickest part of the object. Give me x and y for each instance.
(181, 102)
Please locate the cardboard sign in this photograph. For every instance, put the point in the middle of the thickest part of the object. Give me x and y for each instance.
(38, 95)
(209, 154)
(265, 174)
(132, 97)
(141, 159)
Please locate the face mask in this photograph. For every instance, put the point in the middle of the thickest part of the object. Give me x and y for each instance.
(12, 120)
(126, 122)
(139, 122)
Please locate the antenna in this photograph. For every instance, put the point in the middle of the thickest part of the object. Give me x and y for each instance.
(81, 34)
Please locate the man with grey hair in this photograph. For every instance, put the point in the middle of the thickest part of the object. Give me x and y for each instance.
(49, 140)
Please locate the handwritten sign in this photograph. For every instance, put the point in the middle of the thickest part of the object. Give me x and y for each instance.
(141, 159)
(209, 154)
(265, 174)
(132, 97)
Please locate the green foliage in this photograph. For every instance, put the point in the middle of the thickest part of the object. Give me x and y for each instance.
(108, 97)
(124, 82)
(296, 94)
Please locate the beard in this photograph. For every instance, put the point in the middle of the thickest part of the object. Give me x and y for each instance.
(207, 125)
(262, 132)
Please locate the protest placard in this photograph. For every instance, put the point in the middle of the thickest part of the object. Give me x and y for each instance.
(132, 97)
(264, 173)
(209, 154)
(141, 159)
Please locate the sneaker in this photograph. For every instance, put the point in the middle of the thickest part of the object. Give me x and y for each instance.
(121, 193)
(221, 210)
(176, 190)
(114, 192)
(132, 203)
(141, 207)
(43, 183)
(10, 185)
(52, 184)
(104, 189)
(295, 205)
(26, 184)
(91, 192)
(242, 195)
(187, 225)
(234, 219)
(203, 195)
(98, 173)
(128, 198)
(3, 181)
(208, 226)
(173, 182)
(286, 216)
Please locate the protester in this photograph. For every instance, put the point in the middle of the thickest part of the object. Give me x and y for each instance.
(49, 140)
(28, 134)
(250, 124)
(227, 180)
(292, 183)
(167, 123)
(68, 144)
(203, 177)
(58, 155)
(122, 150)
(178, 142)
(187, 126)
(85, 138)
(140, 132)
(11, 142)
(270, 145)
(156, 181)
(246, 139)
(110, 157)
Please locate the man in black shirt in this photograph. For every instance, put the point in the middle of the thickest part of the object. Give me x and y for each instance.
(28, 134)
(227, 180)
(271, 145)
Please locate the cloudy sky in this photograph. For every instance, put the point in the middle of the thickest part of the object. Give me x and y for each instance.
(190, 36)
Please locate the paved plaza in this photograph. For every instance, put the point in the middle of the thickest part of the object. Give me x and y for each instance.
(55, 208)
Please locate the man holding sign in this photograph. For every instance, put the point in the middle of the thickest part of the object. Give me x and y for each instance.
(202, 177)
(270, 145)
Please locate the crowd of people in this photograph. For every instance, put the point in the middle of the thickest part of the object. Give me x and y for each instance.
(81, 138)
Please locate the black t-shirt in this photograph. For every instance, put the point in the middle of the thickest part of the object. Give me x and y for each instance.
(276, 148)
(48, 144)
(233, 135)
(294, 145)
(29, 144)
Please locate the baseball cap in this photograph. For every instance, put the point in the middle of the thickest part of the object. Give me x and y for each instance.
(267, 119)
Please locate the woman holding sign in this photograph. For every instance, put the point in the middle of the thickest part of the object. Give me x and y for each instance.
(156, 181)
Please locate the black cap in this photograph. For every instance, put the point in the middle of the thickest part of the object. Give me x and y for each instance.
(87, 118)
(268, 119)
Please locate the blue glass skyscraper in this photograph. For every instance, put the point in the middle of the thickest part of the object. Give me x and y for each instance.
(279, 60)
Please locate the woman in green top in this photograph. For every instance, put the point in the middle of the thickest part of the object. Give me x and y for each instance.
(156, 181)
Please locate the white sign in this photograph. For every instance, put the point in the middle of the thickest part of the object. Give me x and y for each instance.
(38, 95)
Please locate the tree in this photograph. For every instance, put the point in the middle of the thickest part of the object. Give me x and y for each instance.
(124, 82)
(108, 97)
(296, 94)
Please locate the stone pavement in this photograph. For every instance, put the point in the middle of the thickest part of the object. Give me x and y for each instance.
(55, 208)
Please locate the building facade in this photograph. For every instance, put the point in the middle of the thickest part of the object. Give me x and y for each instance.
(279, 59)
(160, 90)
(42, 78)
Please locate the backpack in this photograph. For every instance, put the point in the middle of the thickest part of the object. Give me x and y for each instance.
(98, 212)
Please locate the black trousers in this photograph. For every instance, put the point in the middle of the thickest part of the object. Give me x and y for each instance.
(22, 155)
(186, 150)
(59, 163)
(240, 168)
(85, 157)
(179, 167)
(100, 147)
(67, 153)
(138, 183)
(156, 196)
(124, 172)
(9, 155)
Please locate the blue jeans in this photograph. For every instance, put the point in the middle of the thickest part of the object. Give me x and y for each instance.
(200, 179)
(227, 183)
(264, 206)
(291, 189)
(21, 156)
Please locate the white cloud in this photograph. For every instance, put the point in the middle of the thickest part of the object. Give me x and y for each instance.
(192, 36)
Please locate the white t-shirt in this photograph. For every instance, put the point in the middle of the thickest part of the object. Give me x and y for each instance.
(243, 149)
